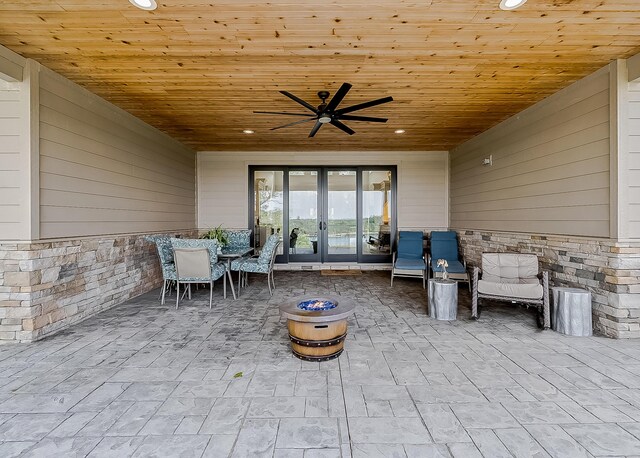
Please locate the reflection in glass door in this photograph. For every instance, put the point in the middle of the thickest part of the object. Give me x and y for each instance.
(303, 215)
(341, 215)
(377, 211)
(268, 206)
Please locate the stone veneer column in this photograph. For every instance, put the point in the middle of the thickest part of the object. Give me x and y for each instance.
(46, 286)
(609, 269)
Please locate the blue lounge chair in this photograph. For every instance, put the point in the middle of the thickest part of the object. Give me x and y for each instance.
(444, 245)
(408, 260)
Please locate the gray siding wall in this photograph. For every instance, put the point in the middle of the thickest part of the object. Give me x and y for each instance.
(13, 188)
(422, 183)
(103, 171)
(550, 171)
(633, 178)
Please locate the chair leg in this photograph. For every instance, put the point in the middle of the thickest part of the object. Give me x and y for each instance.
(424, 279)
(273, 280)
(392, 277)
(210, 294)
(239, 281)
(164, 288)
(269, 283)
(189, 290)
(224, 287)
(177, 294)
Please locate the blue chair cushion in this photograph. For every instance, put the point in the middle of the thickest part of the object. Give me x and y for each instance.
(455, 267)
(410, 245)
(410, 264)
(444, 245)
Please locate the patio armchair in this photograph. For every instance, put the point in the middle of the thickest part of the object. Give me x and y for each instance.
(218, 269)
(408, 259)
(193, 266)
(512, 277)
(262, 264)
(444, 245)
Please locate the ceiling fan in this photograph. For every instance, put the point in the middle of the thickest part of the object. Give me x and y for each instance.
(327, 113)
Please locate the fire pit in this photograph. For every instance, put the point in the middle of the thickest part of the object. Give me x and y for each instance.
(317, 326)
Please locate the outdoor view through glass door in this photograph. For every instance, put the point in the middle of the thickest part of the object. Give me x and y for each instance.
(325, 214)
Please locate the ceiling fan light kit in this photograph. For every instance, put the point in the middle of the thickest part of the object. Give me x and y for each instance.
(327, 113)
(509, 5)
(148, 5)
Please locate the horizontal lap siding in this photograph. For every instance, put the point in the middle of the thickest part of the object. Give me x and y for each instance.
(14, 190)
(634, 161)
(550, 171)
(422, 183)
(104, 172)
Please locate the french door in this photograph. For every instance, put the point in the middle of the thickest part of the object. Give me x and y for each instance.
(325, 214)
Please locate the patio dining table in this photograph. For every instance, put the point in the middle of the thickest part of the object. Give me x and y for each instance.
(230, 253)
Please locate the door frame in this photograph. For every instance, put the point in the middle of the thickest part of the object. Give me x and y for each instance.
(322, 255)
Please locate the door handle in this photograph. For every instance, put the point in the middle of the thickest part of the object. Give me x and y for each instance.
(322, 226)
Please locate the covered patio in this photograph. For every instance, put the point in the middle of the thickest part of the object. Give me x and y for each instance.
(143, 379)
(512, 126)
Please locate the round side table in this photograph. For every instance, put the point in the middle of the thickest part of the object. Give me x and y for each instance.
(443, 299)
(571, 311)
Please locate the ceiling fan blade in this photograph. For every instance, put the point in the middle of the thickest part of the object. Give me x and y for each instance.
(292, 124)
(299, 100)
(343, 127)
(284, 113)
(364, 105)
(338, 96)
(362, 118)
(315, 129)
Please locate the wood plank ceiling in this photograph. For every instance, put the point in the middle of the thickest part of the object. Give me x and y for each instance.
(197, 69)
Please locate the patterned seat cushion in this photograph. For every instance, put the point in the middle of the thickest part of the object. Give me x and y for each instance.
(238, 237)
(250, 265)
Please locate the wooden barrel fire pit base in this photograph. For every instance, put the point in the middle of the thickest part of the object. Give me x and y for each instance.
(317, 341)
(317, 335)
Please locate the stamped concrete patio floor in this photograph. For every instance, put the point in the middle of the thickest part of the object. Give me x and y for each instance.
(147, 380)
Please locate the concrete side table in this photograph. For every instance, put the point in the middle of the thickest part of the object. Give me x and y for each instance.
(443, 299)
(572, 311)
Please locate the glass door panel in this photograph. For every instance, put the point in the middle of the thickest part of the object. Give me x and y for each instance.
(341, 215)
(268, 211)
(303, 215)
(377, 212)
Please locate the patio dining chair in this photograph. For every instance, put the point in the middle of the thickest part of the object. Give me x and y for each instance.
(408, 259)
(262, 264)
(444, 245)
(165, 254)
(193, 266)
(218, 269)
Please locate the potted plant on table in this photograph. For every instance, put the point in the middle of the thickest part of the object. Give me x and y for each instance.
(219, 234)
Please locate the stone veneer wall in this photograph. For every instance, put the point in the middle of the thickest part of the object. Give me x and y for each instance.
(607, 268)
(46, 286)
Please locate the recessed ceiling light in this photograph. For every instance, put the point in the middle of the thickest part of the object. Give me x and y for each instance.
(511, 4)
(399, 131)
(148, 5)
(247, 131)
